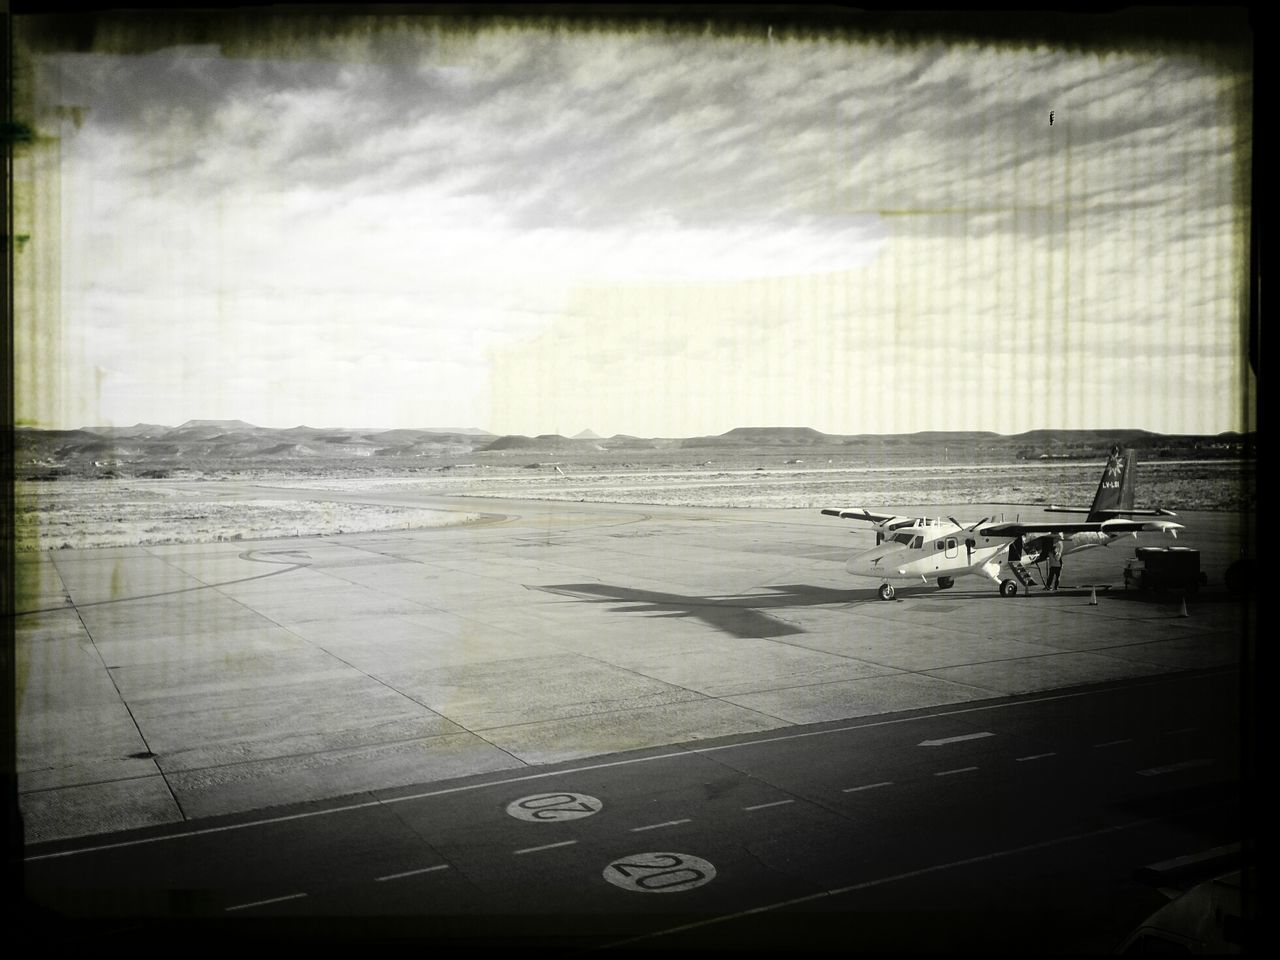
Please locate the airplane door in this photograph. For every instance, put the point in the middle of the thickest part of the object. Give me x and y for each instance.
(951, 548)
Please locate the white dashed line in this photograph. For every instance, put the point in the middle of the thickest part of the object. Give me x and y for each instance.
(655, 826)
(1174, 767)
(1112, 743)
(547, 846)
(762, 806)
(262, 903)
(946, 740)
(1036, 756)
(413, 873)
(685, 754)
(868, 884)
(947, 773)
(868, 786)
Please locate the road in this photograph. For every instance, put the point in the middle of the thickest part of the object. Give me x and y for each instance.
(1012, 823)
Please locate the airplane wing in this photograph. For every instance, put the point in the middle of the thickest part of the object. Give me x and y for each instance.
(1116, 526)
(860, 513)
(1152, 512)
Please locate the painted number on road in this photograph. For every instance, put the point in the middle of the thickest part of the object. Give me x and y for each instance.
(554, 806)
(659, 872)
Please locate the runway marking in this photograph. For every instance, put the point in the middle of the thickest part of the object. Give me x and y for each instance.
(546, 846)
(762, 806)
(412, 873)
(554, 806)
(947, 773)
(676, 754)
(262, 903)
(166, 593)
(868, 884)
(946, 740)
(1112, 743)
(655, 826)
(659, 872)
(1037, 756)
(1205, 857)
(1175, 767)
(868, 786)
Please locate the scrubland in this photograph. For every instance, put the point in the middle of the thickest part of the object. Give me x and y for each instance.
(75, 513)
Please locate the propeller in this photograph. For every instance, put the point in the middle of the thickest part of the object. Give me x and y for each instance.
(969, 542)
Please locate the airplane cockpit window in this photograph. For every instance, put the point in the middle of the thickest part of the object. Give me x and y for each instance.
(917, 543)
(903, 538)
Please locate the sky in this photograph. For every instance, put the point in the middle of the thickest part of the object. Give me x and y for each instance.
(549, 229)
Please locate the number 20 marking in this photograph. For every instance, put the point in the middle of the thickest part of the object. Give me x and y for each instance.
(554, 806)
(659, 872)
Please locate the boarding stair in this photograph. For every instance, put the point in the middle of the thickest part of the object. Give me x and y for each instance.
(1022, 573)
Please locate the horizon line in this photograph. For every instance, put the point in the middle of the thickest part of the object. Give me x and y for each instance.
(242, 424)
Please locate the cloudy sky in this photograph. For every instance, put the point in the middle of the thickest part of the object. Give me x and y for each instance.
(657, 233)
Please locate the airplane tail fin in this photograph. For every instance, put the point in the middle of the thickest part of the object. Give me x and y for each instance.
(1115, 490)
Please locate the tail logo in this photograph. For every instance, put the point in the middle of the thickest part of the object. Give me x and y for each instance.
(1115, 471)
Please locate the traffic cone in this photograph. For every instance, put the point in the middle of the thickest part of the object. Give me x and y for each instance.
(1183, 611)
(1093, 596)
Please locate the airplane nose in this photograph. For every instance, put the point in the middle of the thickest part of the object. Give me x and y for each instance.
(866, 563)
(861, 563)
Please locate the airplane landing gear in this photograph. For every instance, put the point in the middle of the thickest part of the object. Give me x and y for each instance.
(946, 583)
(886, 591)
(1008, 588)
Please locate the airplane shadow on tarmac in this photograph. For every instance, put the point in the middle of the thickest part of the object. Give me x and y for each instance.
(739, 616)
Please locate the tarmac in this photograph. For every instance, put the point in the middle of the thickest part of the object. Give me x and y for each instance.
(167, 683)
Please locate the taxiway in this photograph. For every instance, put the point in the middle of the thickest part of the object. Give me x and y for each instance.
(164, 684)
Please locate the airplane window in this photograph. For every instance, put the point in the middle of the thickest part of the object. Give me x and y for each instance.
(917, 543)
(903, 538)
(937, 545)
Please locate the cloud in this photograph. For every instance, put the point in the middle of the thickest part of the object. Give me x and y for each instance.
(346, 202)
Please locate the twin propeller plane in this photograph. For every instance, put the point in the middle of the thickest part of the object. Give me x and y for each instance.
(918, 548)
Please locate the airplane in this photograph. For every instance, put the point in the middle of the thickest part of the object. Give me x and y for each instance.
(911, 548)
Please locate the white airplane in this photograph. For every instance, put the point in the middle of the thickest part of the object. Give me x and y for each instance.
(918, 548)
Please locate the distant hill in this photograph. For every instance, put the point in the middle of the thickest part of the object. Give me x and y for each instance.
(137, 430)
(543, 443)
(462, 431)
(221, 445)
(623, 442)
(944, 436)
(1074, 436)
(224, 425)
(762, 437)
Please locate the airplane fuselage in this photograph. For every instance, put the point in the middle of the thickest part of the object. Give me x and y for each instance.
(932, 552)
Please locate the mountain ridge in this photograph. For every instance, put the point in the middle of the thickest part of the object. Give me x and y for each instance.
(222, 445)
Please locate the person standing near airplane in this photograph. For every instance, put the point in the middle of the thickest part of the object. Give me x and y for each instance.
(1055, 565)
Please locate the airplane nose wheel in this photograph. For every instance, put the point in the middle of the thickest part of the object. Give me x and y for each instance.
(886, 591)
(1008, 588)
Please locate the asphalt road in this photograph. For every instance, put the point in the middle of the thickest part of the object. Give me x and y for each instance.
(1011, 824)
